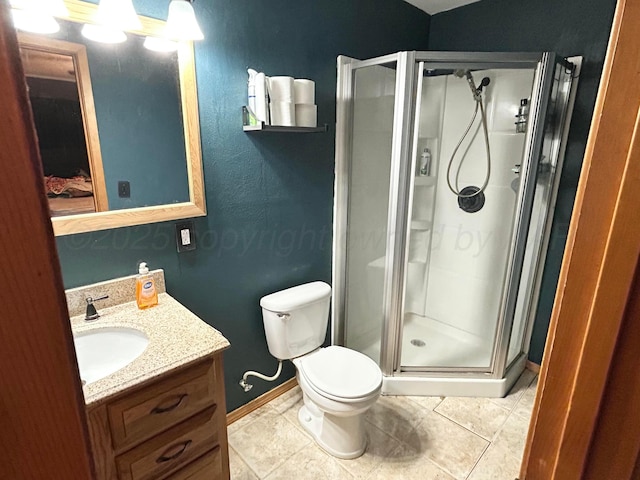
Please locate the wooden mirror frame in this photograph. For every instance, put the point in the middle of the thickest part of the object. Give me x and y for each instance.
(78, 54)
(84, 12)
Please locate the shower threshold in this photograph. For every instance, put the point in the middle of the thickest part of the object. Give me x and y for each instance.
(438, 384)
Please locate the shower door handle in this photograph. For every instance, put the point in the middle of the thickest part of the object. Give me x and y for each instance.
(516, 169)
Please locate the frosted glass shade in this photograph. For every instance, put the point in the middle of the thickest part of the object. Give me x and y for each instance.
(181, 22)
(35, 22)
(102, 34)
(160, 44)
(57, 8)
(37, 16)
(117, 15)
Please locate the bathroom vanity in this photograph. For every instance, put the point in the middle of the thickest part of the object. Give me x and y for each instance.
(163, 415)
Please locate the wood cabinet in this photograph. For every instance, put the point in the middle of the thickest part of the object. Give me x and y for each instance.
(172, 427)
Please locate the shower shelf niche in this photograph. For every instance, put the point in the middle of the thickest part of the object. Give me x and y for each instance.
(424, 181)
(379, 262)
(423, 225)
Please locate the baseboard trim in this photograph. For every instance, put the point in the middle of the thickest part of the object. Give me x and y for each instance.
(534, 367)
(256, 403)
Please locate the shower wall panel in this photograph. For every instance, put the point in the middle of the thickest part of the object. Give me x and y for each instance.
(469, 251)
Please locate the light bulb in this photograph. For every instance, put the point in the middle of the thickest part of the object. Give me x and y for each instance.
(181, 22)
(102, 34)
(160, 44)
(35, 22)
(56, 8)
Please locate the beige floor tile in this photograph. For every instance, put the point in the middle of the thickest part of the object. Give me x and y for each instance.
(518, 389)
(397, 416)
(426, 402)
(405, 463)
(291, 415)
(267, 442)
(310, 463)
(239, 469)
(450, 446)
(287, 400)
(250, 418)
(513, 435)
(479, 415)
(496, 464)
(524, 407)
(379, 448)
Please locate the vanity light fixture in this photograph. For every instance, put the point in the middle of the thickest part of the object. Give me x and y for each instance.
(182, 23)
(160, 44)
(37, 16)
(112, 18)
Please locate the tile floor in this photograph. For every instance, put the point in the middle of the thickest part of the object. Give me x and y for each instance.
(427, 438)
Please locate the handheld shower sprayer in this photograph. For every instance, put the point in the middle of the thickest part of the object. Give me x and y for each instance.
(475, 90)
(471, 199)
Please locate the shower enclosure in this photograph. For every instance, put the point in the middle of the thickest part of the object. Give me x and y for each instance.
(439, 237)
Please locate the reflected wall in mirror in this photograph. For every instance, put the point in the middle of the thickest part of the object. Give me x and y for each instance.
(117, 127)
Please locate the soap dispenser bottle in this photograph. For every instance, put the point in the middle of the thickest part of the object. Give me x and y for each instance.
(146, 294)
(425, 163)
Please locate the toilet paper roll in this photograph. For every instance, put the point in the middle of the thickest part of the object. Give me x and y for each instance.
(306, 115)
(283, 114)
(305, 91)
(281, 89)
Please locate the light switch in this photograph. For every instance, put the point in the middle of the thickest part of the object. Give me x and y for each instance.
(185, 236)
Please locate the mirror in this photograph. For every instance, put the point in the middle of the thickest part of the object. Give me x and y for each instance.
(117, 126)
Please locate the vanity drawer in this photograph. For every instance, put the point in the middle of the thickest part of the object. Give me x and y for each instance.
(171, 450)
(161, 405)
(207, 467)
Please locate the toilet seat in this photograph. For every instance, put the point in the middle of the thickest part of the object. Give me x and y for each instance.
(340, 374)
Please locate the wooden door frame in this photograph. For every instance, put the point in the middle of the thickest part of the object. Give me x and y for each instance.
(43, 432)
(596, 276)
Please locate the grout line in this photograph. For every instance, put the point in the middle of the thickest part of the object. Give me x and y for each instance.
(244, 461)
(508, 412)
(484, 452)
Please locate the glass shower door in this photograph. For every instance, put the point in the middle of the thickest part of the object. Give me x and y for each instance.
(458, 247)
(372, 92)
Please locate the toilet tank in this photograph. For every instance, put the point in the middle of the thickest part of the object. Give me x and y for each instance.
(295, 319)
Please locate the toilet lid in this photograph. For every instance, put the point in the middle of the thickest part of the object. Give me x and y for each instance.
(341, 372)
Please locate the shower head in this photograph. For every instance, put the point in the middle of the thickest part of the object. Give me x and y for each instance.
(476, 91)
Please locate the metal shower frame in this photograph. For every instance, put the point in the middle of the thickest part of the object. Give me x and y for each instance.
(548, 68)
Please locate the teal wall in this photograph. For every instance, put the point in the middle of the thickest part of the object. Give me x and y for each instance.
(269, 196)
(568, 27)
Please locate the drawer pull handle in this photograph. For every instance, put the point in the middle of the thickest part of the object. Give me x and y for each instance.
(164, 458)
(160, 409)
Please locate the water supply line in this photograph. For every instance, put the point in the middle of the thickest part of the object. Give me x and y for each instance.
(477, 97)
(251, 373)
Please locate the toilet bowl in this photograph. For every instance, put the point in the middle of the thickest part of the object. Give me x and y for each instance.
(338, 384)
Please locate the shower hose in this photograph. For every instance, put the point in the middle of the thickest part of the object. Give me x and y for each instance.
(456, 190)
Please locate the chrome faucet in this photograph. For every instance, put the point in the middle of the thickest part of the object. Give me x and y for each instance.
(92, 313)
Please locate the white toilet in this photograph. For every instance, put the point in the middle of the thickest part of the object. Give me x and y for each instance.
(339, 385)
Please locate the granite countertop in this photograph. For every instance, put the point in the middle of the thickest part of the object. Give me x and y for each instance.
(176, 337)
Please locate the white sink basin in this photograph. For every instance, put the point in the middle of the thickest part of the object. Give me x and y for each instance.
(103, 351)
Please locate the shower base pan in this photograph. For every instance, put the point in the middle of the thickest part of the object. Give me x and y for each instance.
(430, 385)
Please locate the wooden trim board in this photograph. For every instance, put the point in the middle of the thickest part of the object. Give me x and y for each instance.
(44, 429)
(533, 367)
(597, 272)
(256, 403)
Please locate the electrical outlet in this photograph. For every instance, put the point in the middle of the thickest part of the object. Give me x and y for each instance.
(124, 189)
(185, 236)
